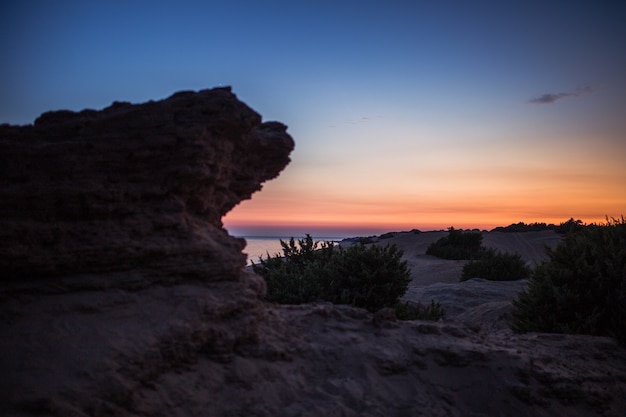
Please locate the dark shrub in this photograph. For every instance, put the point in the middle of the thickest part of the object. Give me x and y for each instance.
(287, 277)
(496, 266)
(407, 311)
(581, 288)
(361, 239)
(458, 244)
(570, 226)
(367, 240)
(371, 277)
(523, 227)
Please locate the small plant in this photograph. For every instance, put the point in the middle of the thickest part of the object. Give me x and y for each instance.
(496, 266)
(457, 245)
(433, 312)
(581, 288)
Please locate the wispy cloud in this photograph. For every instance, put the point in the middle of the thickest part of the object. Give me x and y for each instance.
(364, 119)
(550, 98)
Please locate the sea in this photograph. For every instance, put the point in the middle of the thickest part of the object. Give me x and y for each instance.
(261, 246)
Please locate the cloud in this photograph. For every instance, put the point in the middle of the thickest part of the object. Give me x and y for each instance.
(550, 98)
(364, 119)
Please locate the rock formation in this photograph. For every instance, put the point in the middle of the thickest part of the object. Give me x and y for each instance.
(114, 261)
(121, 293)
(133, 188)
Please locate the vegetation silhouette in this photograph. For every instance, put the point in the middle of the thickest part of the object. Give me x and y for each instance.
(568, 226)
(581, 288)
(368, 276)
(457, 245)
(483, 262)
(496, 266)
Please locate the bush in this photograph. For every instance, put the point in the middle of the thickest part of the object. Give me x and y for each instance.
(581, 288)
(496, 266)
(408, 311)
(523, 227)
(371, 277)
(457, 245)
(570, 226)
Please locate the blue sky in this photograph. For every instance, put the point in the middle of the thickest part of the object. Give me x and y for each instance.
(424, 100)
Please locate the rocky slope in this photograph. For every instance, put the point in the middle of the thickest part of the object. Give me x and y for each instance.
(121, 294)
(324, 360)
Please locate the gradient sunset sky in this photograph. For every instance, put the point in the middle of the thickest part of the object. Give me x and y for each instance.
(406, 114)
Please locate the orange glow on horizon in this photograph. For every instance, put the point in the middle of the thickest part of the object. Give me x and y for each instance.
(472, 203)
(451, 177)
(481, 211)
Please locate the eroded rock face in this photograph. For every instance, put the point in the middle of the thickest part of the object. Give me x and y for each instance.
(115, 265)
(137, 188)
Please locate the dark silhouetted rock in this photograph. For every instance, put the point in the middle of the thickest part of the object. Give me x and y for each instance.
(137, 188)
(115, 265)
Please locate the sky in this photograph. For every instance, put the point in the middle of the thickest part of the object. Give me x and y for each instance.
(406, 114)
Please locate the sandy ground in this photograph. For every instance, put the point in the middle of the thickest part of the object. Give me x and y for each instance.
(426, 269)
(325, 360)
(477, 303)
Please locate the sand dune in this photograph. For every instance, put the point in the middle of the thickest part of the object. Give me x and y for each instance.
(426, 269)
(477, 303)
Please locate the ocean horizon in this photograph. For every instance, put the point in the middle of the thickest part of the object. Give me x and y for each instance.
(261, 246)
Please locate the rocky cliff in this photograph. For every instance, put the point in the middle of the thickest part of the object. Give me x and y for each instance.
(115, 265)
(137, 188)
(122, 295)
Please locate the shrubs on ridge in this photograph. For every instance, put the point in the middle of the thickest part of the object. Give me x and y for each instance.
(371, 277)
(522, 227)
(457, 245)
(568, 226)
(581, 288)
